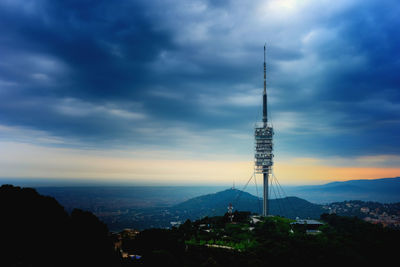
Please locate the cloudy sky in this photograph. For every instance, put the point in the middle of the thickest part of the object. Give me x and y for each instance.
(168, 91)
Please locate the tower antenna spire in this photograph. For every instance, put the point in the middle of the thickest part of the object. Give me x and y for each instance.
(265, 118)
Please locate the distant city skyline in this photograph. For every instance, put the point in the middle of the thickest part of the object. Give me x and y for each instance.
(167, 92)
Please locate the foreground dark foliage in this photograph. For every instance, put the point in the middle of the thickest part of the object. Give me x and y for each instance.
(36, 231)
(343, 240)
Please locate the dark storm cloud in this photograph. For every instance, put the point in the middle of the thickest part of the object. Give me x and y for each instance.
(105, 46)
(111, 72)
(94, 51)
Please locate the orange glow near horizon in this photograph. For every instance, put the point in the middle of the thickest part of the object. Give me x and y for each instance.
(319, 174)
(29, 161)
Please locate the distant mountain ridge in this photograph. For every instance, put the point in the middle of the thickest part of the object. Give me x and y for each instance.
(385, 190)
(217, 204)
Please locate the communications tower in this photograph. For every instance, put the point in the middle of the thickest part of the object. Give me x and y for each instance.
(263, 134)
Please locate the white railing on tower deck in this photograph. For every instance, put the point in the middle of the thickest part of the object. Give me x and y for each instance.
(263, 156)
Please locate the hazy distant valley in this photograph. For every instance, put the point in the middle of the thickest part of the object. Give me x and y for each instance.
(143, 207)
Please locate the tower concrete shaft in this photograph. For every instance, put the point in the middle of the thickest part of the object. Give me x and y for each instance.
(265, 194)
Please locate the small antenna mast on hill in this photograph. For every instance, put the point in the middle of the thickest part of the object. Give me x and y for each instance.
(230, 210)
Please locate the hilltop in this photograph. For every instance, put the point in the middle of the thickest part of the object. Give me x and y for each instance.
(217, 203)
(214, 204)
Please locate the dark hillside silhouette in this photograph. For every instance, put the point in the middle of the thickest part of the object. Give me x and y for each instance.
(35, 230)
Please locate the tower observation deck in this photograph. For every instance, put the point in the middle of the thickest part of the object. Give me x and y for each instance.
(263, 134)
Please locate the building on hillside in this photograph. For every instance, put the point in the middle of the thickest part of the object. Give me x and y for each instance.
(309, 226)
